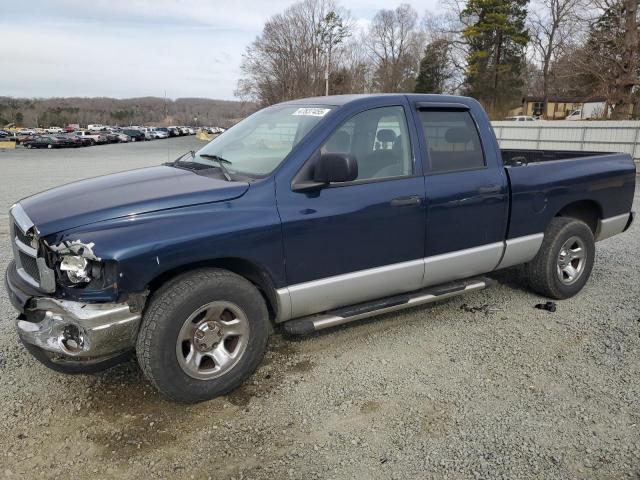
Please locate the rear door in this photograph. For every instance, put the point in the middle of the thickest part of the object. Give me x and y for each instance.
(466, 192)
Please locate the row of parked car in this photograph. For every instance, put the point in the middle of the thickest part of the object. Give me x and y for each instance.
(56, 137)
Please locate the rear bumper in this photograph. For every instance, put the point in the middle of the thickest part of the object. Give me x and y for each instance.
(72, 329)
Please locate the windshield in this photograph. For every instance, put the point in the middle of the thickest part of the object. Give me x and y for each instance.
(258, 144)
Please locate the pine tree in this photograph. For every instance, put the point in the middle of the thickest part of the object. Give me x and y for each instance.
(497, 37)
(435, 68)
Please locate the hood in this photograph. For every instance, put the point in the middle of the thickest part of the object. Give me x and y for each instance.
(122, 194)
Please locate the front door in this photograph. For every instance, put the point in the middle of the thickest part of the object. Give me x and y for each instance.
(356, 241)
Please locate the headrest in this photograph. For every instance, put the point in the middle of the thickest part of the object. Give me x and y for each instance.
(457, 135)
(386, 135)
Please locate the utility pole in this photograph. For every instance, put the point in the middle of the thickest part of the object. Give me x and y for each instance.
(165, 106)
(328, 62)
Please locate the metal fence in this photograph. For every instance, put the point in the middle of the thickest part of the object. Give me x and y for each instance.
(610, 136)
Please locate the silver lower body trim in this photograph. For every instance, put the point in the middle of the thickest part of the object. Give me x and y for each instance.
(76, 329)
(521, 250)
(333, 292)
(608, 227)
(461, 264)
(329, 293)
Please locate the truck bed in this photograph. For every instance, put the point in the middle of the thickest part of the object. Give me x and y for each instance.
(531, 156)
(543, 182)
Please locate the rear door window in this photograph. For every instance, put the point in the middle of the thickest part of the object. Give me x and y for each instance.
(453, 143)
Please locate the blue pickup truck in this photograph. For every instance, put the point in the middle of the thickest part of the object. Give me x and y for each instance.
(306, 215)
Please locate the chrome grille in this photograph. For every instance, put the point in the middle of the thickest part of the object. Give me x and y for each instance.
(30, 266)
(32, 269)
(21, 236)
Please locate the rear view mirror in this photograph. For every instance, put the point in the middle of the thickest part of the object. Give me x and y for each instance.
(335, 168)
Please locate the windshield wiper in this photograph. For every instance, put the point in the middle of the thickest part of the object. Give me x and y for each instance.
(222, 162)
(190, 152)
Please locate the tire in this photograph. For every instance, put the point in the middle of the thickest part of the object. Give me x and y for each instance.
(544, 272)
(172, 314)
(70, 367)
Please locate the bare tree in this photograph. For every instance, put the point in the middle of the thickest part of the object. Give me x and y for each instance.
(395, 45)
(609, 58)
(552, 27)
(288, 59)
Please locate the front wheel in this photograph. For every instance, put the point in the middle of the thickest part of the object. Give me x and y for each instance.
(202, 335)
(565, 259)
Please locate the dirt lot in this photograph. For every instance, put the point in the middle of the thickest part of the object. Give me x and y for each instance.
(483, 386)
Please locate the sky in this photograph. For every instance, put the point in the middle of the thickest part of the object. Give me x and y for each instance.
(132, 48)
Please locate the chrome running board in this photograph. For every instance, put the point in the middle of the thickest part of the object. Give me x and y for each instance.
(313, 323)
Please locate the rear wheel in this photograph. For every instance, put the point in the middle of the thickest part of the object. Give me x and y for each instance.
(564, 262)
(202, 335)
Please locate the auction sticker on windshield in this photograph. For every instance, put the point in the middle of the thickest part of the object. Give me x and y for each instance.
(312, 112)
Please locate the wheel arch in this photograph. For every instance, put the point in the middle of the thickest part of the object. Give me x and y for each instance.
(587, 211)
(247, 269)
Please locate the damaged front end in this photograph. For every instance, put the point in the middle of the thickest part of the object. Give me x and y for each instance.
(70, 307)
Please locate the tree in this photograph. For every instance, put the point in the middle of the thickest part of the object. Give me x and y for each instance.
(610, 56)
(496, 36)
(552, 25)
(394, 44)
(435, 68)
(332, 32)
(19, 119)
(287, 60)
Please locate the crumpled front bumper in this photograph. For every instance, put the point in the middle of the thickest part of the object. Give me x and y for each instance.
(73, 329)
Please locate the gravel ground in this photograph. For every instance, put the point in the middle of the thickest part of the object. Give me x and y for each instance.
(482, 386)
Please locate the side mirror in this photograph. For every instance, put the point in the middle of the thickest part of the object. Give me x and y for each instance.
(324, 169)
(335, 168)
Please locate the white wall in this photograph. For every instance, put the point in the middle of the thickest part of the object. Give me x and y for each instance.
(598, 136)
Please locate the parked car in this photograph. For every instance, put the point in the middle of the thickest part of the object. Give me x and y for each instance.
(94, 137)
(53, 130)
(26, 131)
(521, 118)
(117, 137)
(152, 134)
(134, 135)
(44, 142)
(193, 262)
(4, 134)
(166, 130)
(72, 140)
(65, 141)
(161, 133)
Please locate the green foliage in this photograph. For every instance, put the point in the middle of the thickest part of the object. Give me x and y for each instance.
(435, 68)
(497, 37)
(19, 118)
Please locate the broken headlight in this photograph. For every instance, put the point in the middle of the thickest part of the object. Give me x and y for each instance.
(78, 269)
(78, 266)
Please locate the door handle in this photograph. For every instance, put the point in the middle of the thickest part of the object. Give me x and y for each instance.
(406, 201)
(489, 189)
